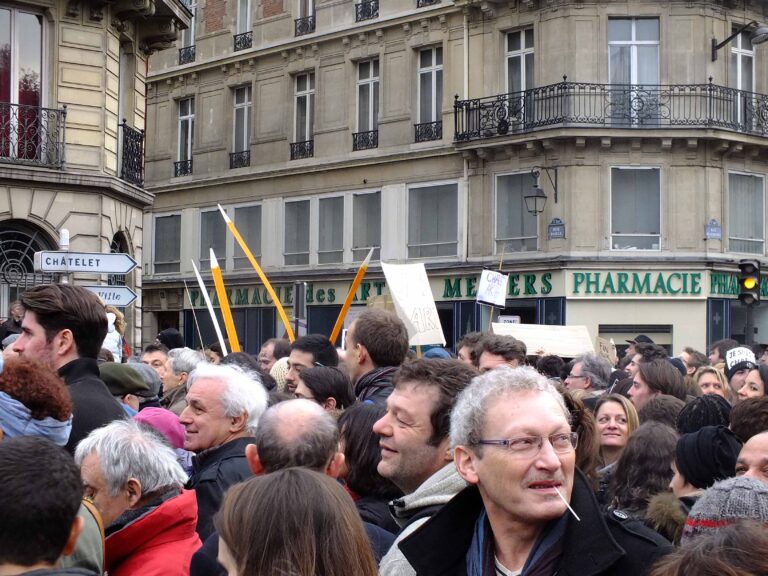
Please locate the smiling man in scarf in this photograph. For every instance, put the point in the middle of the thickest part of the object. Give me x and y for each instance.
(528, 511)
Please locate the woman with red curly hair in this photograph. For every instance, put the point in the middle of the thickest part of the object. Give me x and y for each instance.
(34, 401)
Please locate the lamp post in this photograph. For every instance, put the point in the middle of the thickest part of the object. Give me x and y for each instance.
(536, 199)
(757, 36)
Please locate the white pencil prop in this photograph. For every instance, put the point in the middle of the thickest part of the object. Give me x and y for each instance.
(210, 310)
(566, 503)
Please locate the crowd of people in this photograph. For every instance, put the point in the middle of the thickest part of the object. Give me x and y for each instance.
(308, 460)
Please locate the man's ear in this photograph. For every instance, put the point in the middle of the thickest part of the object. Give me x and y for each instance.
(252, 457)
(465, 464)
(362, 354)
(74, 533)
(237, 423)
(445, 448)
(64, 342)
(330, 403)
(335, 465)
(133, 487)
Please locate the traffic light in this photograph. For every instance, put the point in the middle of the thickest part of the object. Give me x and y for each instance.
(749, 282)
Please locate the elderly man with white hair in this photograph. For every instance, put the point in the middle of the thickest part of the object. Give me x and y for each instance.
(180, 364)
(224, 405)
(132, 477)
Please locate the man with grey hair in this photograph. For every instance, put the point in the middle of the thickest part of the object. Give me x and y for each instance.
(180, 364)
(527, 508)
(224, 405)
(590, 372)
(135, 482)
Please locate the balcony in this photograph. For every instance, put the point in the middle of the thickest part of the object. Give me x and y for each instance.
(301, 150)
(243, 41)
(622, 106)
(239, 159)
(425, 3)
(305, 25)
(32, 135)
(186, 55)
(182, 168)
(428, 131)
(132, 155)
(365, 140)
(366, 10)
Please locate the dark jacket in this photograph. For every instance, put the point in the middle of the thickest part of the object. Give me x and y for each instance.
(376, 511)
(376, 385)
(92, 404)
(213, 471)
(599, 545)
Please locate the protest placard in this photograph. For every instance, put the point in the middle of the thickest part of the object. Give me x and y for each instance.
(492, 289)
(565, 341)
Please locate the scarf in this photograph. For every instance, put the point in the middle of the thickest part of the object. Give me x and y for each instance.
(16, 420)
(374, 380)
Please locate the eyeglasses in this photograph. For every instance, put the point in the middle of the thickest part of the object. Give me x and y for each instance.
(529, 446)
(572, 376)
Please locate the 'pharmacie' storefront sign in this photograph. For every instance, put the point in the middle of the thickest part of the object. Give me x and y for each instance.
(726, 284)
(635, 284)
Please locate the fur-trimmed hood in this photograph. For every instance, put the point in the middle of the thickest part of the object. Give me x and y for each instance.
(666, 513)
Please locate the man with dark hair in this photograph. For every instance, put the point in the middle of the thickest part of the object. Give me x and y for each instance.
(170, 338)
(496, 350)
(693, 360)
(415, 453)
(750, 417)
(306, 352)
(632, 348)
(156, 355)
(271, 351)
(376, 344)
(39, 501)
(465, 348)
(63, 327)
(718, 350)
(662, 408)
(13, 324)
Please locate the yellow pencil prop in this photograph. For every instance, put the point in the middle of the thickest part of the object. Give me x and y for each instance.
(229, 323)
(260, 272)
(350, 296)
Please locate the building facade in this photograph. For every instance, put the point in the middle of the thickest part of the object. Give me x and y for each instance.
(72, 119)
(418, 128)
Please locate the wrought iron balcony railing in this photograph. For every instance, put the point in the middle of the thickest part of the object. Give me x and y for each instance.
(365, 140)
(612, 106)
(366, 10)
(243, 41)
(239, 159)
(423, 3)
(301, 150)
(305, 25)
(182, 168)
(132, 155)
(428, 131)
(32, 135)
(186, 55)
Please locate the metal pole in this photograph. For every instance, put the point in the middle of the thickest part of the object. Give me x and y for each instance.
(749, 326)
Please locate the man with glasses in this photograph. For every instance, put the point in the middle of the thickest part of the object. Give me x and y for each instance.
(527, 509)
(590, 372)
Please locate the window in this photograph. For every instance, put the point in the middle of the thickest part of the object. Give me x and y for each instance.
(635, 208)
(430, 85)
(248, 222)
(167, 243)
(330, 246)
(742, 72)
(243, 16)
(516, 228)
(306, 8)
(746, 214)
(186, 128)
(213, 234)
(520, 60)
(305, 107)
(242, 119)
(367, 95)
(433, 221)
(366, 225)
(188, 35)
(296, 233)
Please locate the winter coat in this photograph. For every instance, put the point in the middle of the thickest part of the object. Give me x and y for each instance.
(89, 550)
(376, 511)
(92, 404)
(175, 400)
(113, 341)
(213, 471)
(598, 545)
(375, 386)
(158, 543)
(666, 513)
(413, 510)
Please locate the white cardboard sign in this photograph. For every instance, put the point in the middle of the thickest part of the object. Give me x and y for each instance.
(410, 291)
(492, 289)
(565, 341)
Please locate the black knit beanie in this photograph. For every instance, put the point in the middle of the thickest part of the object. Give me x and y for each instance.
(707, 410)
(706, 456)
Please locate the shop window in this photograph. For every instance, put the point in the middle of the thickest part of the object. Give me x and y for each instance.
(167, 243)
(248, 222)
(516, 228)
(433, 221)
(635, 209)
(746, 214)
(213, 234)
(296, 250)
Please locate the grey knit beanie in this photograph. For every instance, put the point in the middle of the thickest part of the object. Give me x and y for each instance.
(726, 502)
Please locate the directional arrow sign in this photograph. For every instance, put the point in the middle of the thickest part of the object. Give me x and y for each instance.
(95, 262)
(117, 296)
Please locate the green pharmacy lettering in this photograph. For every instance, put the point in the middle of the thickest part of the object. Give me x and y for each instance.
(241, 297)
(529, 279)
(639, 284)
(546, 283)
(452, 288)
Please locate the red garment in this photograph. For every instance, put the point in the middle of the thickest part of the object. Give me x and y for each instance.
(160, 543)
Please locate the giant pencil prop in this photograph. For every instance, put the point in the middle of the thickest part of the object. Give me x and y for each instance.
(207, 299)
(221, 292)
(260, 272)
(350, 296)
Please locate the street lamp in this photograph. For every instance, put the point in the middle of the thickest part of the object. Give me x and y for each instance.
(536, 199)
(757, 36)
